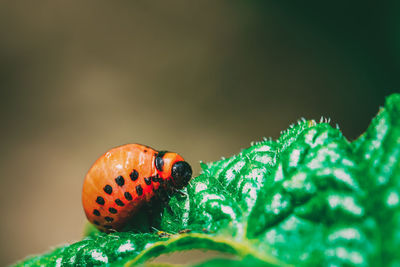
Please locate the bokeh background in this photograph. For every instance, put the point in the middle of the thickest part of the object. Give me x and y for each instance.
(203, 78)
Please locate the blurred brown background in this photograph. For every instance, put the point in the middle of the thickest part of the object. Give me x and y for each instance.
(201, 78)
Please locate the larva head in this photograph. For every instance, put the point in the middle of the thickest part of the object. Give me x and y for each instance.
(172, 166)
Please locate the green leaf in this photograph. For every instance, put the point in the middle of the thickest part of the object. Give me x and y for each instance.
(204, 242)
(379, 151)
(310, 198)
(247, 261)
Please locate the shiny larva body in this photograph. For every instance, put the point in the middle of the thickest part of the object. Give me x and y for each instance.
(125, 178)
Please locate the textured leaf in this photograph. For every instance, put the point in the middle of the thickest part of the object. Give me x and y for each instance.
(310, 198)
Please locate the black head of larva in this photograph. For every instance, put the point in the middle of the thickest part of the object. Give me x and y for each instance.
(181, 173)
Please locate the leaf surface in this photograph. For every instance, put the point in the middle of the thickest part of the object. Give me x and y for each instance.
(310, 198)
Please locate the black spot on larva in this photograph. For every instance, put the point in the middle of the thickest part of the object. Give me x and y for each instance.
(120, 180)
(156, 191)
(139, 190)
(112, 210)
(100, 201)
(96, 212)
(159, 162)
(134, 175)
(145, 151)
(162, 153)
(96, 222)
(128, 196)
(108, 219)
(154, 178)
(119, 202)
(107, 226)
(147, 181)
(108, 189)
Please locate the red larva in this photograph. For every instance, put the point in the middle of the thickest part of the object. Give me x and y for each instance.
(125, 178)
